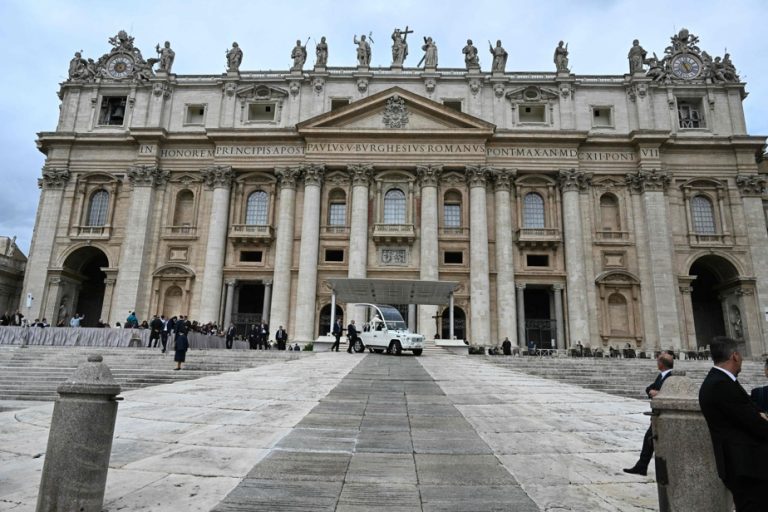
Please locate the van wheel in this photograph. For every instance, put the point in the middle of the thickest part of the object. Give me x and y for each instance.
(395, 348)
(417, 351)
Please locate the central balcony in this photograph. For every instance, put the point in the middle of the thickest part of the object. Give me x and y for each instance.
(258, 234)
(90, 232)
(538, 237)
(394, 233)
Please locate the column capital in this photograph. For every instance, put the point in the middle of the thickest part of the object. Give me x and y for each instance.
(477, 176)
(520, 286)
(218, 176)
(558, 286)
(54, 178)
(503, 179)
(573, 180)
(429, 175)
(751, 186)
(313, 174)
(360, 174)
(147, 176)
(267, 282)
(287, 176)
(230, 282)
(654, 180)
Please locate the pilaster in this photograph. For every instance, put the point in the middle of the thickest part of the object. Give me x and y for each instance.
(281, 296)
(506, 311)
(429, 257)
(358, 231)
(478, 258)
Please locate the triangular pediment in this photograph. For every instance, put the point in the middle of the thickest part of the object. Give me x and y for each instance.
(395, 111)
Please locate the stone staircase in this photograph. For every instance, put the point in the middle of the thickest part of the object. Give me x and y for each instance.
(33, 373)
(623, 377)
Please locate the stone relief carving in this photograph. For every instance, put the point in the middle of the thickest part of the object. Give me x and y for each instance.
(429, 175)
(648, 181)
(287, 177)
(362, 84)
(321, 52)
(498, 90)
(684, 60)
(400, 46)
(162, 89)
(360, 173)
(318, 83)
(54, 178)
(471, 60)
(294, 87)
(230, 88)
(430, 84)
(313, 174)
(477, 176)
(573, 179)
(395, 113)
(561, 58)
(751, 185)
(147, 176)
(503, 179)
(166, 56)
(474, 86)
(394, 256)
(124, 61)
(430, 54)
(299, 56)
(234, 58)
(218, 176)
(499, 63)
(363, 51)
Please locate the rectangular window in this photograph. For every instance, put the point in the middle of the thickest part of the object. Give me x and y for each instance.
(251, 256)
(452, 214)
(195, 114)
(334, 255)
(454, 104)
(537, 260)
(532, 113)
(690, 113)
(337, 214)
(601, 117)
(337, 103)
(453, 257)
(112, 111)
(261, 112)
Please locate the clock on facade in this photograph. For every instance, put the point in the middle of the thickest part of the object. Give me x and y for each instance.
(120, 66)
(686, 66)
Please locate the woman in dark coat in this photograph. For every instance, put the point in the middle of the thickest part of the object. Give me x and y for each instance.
(182, 345)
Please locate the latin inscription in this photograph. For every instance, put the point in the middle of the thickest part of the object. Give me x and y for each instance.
(231, 151)
(556, 153)
(381, 147)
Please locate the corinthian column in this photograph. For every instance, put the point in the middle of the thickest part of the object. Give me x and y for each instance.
(478, 256)
(358, 231)
(41, 250)
(429, 176)
(306, 295)
(218, 178)
(506, 317)
(281, 294)
(132, 277)
(652, 185)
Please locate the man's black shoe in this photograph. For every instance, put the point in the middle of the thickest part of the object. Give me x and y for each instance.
(635, 470)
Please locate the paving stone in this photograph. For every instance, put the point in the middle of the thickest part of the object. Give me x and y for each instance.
(477, 498)
(390, 422)
(381, 441)
(382, 468)
(461, 470)
(383, 497)
(265, 495)
(316, 440)
(324, 467)
(330, 421)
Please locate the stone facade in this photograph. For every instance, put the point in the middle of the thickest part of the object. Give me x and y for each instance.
(611, 210)
(12, 265)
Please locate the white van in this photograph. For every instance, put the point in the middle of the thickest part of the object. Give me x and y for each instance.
(387, 331)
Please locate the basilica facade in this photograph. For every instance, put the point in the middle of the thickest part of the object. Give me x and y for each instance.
(607, 210)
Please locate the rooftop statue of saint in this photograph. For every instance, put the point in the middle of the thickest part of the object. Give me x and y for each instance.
(561, 58)
(400, 46)
(234, 58)
(321, 52)
(500, 55)
(637, 57)
(166, 57)
(299, 56)
(78, 67)
(363, 51)
(430, 53)
(470, 56)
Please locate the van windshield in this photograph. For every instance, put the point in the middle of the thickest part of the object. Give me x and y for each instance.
(393, 318)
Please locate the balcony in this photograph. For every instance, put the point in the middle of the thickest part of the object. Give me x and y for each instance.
(612, 237)
(258, 234)
(453, 233)
(335, 231)
(180, 232)
(709, 240)
(90, 232)
(538, 237)
(394, 233)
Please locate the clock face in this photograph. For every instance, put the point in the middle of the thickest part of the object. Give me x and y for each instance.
(120, 66)
(686, 66)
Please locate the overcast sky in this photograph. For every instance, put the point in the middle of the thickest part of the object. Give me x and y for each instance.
(39, 38)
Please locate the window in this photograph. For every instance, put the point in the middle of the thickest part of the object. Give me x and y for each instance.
(337, 103)
(531, 114)
(185, 208)
(195, 114)
(337, 209)
(453, 257)
(256, 209)
(334, 255)
(97, 209)
(537, 260)
(690, 114)
(452, 210)
(394, 207)
(112, 111)
(251, 256)
(533, 211)
(454, 104)
(703, 216)
(609, 213)
(261, 112)
(601, 117)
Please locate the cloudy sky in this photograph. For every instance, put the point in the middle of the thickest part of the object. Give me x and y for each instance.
(39, 38)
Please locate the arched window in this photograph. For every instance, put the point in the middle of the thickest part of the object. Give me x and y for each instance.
(97, 209)
(394, 207)
(185, 208)
(533, 211)
(256, 209)
(609, 213)
(452, 209)
(703, 216)
(337, 208)
(618, 314)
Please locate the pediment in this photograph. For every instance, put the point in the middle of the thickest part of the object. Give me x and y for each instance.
(395, 111)
(261, 92)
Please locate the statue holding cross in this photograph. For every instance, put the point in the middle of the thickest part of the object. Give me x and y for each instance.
(400, 46)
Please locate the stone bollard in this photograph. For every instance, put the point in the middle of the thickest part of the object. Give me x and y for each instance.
(80, 440)
(686, 475)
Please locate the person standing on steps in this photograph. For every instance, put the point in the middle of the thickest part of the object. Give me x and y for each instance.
(182, 345)
(230, 336)
(351, 335)
(665, 362)
(337, 330)
(281, 337)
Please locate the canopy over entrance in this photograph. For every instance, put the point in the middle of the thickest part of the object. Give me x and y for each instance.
(393, 291)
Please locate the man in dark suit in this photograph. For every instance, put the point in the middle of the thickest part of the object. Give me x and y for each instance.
(281, 337)
(665, 362)
(230, 336)
(738, 429)
(337, 329)
(351, 335)
(156, 325)
(760, 395)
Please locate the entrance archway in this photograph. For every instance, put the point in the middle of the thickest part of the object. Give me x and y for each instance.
(83, 267)
(324, 319)
(539, 325)
(713, 273)
(459, 324)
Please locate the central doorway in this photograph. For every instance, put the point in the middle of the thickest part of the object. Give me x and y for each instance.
(250, 306)
(539, 325)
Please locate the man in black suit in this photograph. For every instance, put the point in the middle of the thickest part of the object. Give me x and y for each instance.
(760, 395)
(351, 335)
(281, 337)
(337, 329)
(230, 336)
(665, 362)
(738, 429)
(156, 325)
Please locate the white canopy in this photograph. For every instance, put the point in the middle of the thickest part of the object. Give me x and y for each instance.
(392, 291)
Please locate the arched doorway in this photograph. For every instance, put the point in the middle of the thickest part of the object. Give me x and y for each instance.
(172, 304)
(83, 270)
(324, 319)
(459, 324)
(713, 274)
